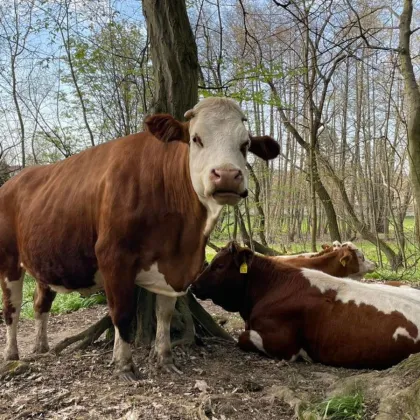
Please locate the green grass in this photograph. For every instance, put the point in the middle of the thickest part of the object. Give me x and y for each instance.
(345, 407)
(63, 303)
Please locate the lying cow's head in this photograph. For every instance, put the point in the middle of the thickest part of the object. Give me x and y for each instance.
(354, 260)
(219, 143)
(223, 280)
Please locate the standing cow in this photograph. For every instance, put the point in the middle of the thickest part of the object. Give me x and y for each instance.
(137, 210)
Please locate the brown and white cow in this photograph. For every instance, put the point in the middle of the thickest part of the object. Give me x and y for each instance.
(137, 210)
(346, 261)
(294, 312)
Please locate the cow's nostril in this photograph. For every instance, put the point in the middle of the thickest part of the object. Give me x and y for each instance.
(215, 173)
(239, 175)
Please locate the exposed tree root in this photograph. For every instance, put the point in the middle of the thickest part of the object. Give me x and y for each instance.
(86, 337)
(190, 322)
(397, 390)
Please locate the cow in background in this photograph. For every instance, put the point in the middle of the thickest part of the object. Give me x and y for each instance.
(137, 210)
(346, 261)
(292, 312)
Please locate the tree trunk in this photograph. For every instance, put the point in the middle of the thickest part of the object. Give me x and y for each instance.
(413, 95)
(174, 56)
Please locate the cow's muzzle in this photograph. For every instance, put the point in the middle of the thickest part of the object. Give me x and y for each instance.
(228, 186)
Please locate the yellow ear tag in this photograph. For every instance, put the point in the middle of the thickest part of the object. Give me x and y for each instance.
(243, 269)
(343, 263)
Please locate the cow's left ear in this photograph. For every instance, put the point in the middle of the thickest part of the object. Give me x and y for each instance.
(166, 128)
(345, 259)
(264, 147)
(243, 260)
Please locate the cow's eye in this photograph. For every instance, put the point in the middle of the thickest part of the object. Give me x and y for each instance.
(244, 148)
(220, 266)
(197, 140)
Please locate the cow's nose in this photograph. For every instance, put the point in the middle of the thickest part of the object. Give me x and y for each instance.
(229, 176)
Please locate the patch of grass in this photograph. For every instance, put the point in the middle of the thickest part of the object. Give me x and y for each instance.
(64, 302)
(344, 407)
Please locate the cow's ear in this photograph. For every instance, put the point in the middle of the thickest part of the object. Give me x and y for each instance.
(166, 128)
(233, 247)
(264, 147)
(345, 259)
(243, 260)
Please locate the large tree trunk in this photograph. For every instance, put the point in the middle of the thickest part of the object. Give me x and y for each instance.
(174, 56)
(413, 95)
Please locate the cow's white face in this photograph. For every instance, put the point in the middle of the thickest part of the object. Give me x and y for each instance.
(219, 143)
(365, 265)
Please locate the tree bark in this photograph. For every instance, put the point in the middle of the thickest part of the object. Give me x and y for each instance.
(413, 95)
(174, 56)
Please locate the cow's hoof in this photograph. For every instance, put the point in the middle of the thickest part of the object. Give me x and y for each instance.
(162, 362)
(40, 349)
(170, 368)
(128, 373)
(128, 376)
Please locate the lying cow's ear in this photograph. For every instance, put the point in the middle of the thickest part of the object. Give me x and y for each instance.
(233, 247)
(243, 260)
(264, 147)
(345, 259)
(166, 128)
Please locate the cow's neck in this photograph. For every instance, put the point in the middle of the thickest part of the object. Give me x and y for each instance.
(213, 213)
(264, 274)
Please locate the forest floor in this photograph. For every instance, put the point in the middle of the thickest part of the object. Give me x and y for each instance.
(218, 382)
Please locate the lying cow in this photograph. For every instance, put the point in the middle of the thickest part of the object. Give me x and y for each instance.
(294, 312)
(346, 261)
(137, 210)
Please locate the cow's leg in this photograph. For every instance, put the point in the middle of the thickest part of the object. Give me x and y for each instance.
(119, 291)
(162, 352)
(43, 299)
(12, 301)
(279, 342)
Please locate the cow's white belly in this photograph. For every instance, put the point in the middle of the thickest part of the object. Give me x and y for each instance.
(151, 280)
(155, 282)
(87, 291)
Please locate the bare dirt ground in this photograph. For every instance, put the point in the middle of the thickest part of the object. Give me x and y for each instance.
(218, 382)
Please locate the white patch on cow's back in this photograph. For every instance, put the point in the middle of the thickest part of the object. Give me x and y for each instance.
(86, 291)
(256, 340)
(288, 257)
(155, 282)
(402, 332)
(384, 298)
